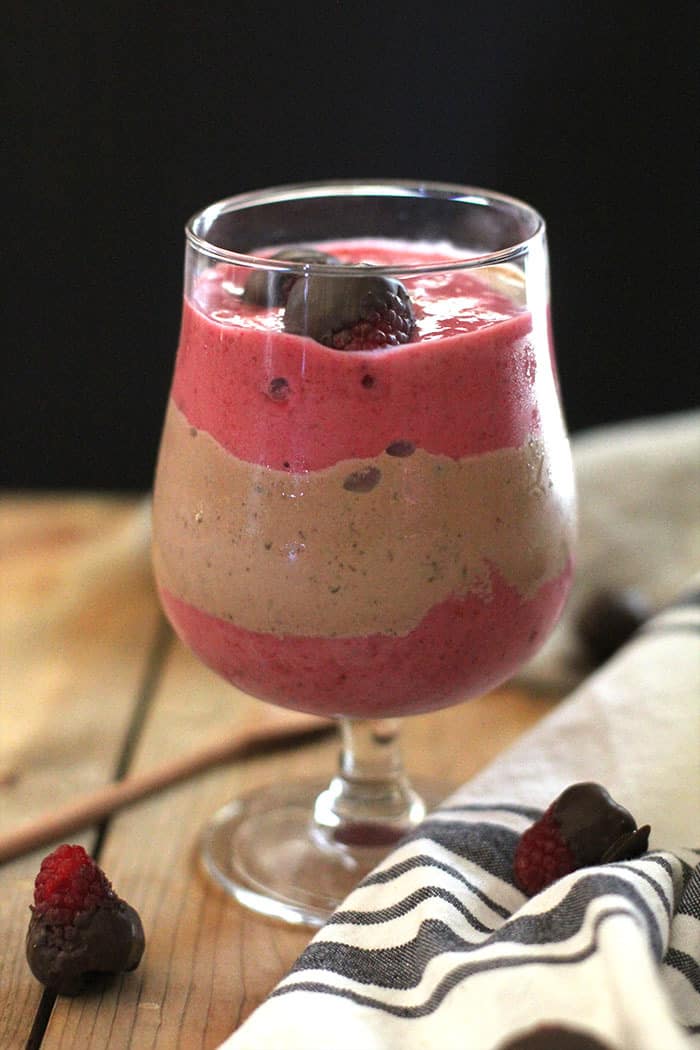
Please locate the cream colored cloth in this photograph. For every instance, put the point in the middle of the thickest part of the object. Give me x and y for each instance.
(639, 525)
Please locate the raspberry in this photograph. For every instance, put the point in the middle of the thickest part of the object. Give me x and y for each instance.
(542, 855)
(79, 928)
(360, 312)
(386, 322)
(69, 881)
(582, 827)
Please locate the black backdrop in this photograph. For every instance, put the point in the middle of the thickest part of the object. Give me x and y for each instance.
(120, 130)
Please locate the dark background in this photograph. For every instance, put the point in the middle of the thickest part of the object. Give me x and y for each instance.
(120, 130)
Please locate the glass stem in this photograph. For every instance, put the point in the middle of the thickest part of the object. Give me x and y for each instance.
(370, 801)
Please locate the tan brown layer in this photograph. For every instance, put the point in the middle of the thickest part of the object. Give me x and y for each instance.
(364, 546)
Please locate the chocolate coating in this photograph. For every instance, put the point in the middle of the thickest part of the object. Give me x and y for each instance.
(629, 846)
(591, 821)
(67, 958)
(554, 1037)
(324, 306)
(271, 287)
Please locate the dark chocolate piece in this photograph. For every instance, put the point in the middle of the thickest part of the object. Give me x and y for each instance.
(271, 287)
(628, 846)
(400, 449)
(278, 389)
(591, 821)
(68, 957)
(554, 1037)
(609, 619)
(362, 480)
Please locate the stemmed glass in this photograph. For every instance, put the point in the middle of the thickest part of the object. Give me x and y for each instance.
(364, 500)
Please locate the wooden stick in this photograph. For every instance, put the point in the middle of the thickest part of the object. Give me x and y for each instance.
(94, 807)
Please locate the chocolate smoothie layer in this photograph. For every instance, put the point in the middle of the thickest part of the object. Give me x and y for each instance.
(363, 547)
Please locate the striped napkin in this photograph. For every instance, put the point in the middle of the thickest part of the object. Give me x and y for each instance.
(438, 948)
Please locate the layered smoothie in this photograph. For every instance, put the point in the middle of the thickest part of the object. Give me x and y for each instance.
(365, 532)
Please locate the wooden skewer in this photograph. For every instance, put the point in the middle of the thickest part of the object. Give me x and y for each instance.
(94, 807)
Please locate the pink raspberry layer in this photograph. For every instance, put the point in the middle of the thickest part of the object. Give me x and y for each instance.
(336, 406)
(461, 649)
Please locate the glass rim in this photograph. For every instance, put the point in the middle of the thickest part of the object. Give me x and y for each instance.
(362, 188)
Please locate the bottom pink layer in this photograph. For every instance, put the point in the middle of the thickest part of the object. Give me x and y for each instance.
(462, 648)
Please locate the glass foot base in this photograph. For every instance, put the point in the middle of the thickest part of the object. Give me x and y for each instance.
(266, 850)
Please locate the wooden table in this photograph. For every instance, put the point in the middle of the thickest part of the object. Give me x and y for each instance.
(93, 688)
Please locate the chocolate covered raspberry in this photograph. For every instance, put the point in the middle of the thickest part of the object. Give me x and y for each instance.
(362, 312)
(79, 929)
(582, 827)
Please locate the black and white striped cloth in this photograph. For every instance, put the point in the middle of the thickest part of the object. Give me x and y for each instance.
(438, 949)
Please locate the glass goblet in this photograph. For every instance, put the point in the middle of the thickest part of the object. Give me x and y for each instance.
(364, 500)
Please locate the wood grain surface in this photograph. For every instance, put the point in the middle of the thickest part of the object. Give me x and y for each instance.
(95, 688)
